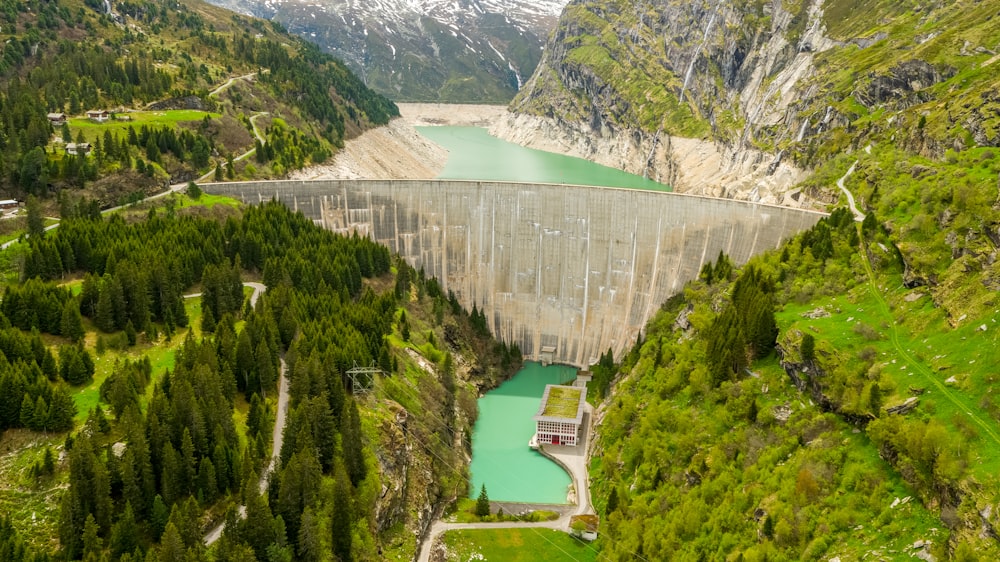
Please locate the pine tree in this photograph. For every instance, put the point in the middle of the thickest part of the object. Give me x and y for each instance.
(158, 518)
(310, 548)
(172, 547)
(36, 220)
(124, 534)
(808, 348)
(92, 543)
(483, 503)
(612, 501)
(350, 435)
(71, 326)
(104, 313)
(341, 521)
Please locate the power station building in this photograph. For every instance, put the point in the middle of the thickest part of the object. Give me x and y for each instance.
(560, 417)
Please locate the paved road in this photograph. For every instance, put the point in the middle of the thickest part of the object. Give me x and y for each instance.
(277, 436)
(225, 85)
(574, 459)
(183, 185)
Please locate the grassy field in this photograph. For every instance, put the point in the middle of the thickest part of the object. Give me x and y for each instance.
(161, 355)
(170, 118)
(208, 200)
(517, 545)
(918, 349)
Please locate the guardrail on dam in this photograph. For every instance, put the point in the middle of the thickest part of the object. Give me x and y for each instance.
(567, 272)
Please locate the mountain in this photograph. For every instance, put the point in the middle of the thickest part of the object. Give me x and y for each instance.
(834, 399)
(180, 89)
(424, 50)
(744, 98)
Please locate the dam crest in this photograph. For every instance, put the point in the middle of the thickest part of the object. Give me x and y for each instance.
(566, 272)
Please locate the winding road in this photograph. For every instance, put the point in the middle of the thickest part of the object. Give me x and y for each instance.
(572, 459)
(277, 435)
(858, 215)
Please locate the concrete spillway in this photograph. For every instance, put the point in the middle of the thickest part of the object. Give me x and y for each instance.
(567, 272)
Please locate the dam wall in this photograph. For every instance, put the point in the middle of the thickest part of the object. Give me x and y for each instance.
(567, 272)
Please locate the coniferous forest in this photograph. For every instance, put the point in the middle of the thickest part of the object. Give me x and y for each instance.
(167, 452)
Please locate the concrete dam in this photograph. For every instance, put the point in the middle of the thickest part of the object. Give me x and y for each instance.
(567, 272)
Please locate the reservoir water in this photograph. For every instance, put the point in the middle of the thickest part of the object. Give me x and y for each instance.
(501, 458)
(476, 155)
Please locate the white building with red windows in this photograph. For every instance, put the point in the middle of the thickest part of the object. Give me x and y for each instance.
(560, 417)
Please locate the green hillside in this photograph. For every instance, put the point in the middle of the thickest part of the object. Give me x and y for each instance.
(189, 88)
(872, 426)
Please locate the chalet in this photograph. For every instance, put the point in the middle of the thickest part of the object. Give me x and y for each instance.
(560, 416)
(6, 204)
(57, 119)
(78, 148)
(98, 115)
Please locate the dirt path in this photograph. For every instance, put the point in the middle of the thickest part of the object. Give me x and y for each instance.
(225, 85)
(858, 215)
(277, 435)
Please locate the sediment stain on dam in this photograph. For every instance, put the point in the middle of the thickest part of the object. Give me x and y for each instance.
(567, 272)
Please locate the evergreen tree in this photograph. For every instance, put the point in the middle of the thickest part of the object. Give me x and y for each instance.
(124, 534)
(71, 325)
(310, 547)
(612, 501)
(62, 410)
(808, 347)
(158, 518)
(92, 543)
(350, 434)
(483, 503)
(172, 547)
(104, 313)
(36, 220)
(341, 520)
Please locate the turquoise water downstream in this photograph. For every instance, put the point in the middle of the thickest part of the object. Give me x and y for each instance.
(475, 155)
(501, 458)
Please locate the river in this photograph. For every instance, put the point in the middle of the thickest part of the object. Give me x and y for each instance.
(476, 155)
(501, 458)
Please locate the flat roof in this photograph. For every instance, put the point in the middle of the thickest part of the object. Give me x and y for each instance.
(562, 404)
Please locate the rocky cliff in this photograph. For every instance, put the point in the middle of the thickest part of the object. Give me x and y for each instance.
(741, 98)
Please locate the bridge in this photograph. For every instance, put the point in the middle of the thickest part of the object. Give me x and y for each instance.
(569, 270)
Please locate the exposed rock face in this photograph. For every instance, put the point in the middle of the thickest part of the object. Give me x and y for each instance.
(679, 92)
(739, 99)
(902, 84)
(694, 166)
(428, 50)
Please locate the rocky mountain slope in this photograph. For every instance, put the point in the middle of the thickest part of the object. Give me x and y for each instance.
(740, 99)
(424, 50)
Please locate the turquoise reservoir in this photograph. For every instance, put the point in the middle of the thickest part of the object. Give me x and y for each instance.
(501, 458)
(473, 154)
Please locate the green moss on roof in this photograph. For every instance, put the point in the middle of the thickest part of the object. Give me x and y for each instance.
(563, 402)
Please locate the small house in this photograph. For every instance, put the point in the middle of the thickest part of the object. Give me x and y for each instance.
(6, 204)
(57, 119)
(584, 526)
(98, 115)
(78, 148)
(560, 416)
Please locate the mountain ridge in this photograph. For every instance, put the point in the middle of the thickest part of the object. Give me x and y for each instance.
(424, 50)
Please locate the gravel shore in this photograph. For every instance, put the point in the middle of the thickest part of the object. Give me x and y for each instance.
(398, 151)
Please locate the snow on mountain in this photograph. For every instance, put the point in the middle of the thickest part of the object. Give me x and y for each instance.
(433, 50)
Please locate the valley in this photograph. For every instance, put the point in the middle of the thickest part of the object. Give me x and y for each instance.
(783, 286)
